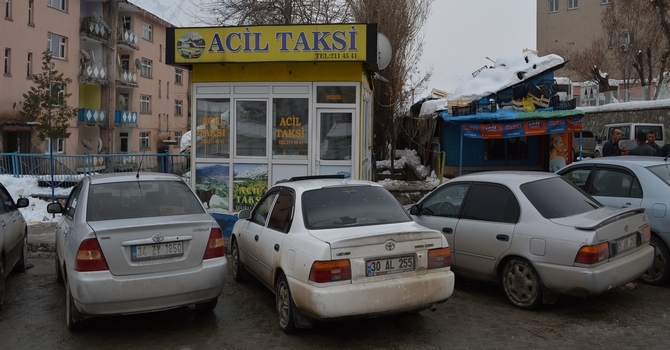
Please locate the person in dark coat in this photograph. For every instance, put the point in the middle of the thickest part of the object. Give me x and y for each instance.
(642, 149)
(665, 150)
(651, 141)
(611, 147)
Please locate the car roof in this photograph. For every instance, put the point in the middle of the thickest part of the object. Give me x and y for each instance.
(131, 176)
(309, 183)
(509, 177)
(643, 161)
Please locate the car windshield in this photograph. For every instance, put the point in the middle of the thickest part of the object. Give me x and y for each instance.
(557, 198)
(351, 206)
(662, 171)
(140, 199)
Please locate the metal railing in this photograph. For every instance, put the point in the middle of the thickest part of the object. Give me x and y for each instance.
(68, 169)
(591, 97)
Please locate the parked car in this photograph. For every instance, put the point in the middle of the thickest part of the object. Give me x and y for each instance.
(13, 238)
(588, 144)
(632, 181)
(628, 132)
(536, 235)
(136, 242)
(335, 248)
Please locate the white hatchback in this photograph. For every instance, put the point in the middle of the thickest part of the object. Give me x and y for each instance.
(333, 248)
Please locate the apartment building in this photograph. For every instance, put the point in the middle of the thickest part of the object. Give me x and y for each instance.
(128, 99)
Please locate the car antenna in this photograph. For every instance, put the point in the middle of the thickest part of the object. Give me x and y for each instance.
(137, 176)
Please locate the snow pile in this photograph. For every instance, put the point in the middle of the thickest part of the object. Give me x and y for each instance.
(27, 187)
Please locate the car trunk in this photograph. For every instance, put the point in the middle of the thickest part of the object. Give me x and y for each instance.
(133, 246)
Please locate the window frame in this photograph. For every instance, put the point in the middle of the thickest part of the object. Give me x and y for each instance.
(8, 9)
(553, 6)
(145, 104)
(573, 4)
(605, 2)
(178, 107)
(178, 76)
(62, 45)
(144, 138)
(146, 68)
(29, 66)
(59, 146)
(7, 69)
(147, 29)
(177, 138)
(31, 12)
(57, 4)
(59, 99)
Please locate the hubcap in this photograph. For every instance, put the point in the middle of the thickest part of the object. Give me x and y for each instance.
(235, 259)
(657, 266)
(520, 283)
(283, 303)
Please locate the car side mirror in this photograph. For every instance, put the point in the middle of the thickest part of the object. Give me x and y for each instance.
(22, 203)
(414, 210)
(244, 214)
(54, 208)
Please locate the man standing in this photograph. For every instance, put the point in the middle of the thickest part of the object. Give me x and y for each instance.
(642, 149)
(651, 141)
(611, 147)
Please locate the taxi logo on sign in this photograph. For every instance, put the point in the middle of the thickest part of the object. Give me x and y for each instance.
(390, 246)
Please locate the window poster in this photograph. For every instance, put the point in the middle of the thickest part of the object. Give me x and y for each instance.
(250, 181)
(212, 186)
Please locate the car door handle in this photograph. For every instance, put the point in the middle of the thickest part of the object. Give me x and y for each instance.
(276, 247)
(627, 205)
(503, 238)
(256, 238)
(447, 230)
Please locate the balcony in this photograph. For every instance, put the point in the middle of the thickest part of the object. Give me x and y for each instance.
(127, 40)
(126, 78)
(125, 118)
(92, 74)
(94, 29)
(91, 117)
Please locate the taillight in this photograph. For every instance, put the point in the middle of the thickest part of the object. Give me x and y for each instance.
(439, 258)
(591, 254)
(214, 244)
(330, 271)
(646, 234)
(90, 257)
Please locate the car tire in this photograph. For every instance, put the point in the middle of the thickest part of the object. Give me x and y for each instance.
(285, 306)
(657, 275)
(22, 264)
(207, 306)
(522, 284)
(238, 268)
(73, 318)
(2, 282)
(59, 274)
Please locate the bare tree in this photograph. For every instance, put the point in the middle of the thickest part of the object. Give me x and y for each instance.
(254, 12)
(590, 64)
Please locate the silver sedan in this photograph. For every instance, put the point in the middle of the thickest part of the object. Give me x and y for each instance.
(536, 235)
(131, 243)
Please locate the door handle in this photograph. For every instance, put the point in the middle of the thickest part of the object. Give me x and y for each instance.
(503, 238)
(276, 247)
(627, 205)
(447, 230)
(256, 238)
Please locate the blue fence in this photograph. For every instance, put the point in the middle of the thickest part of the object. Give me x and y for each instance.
(68, 169)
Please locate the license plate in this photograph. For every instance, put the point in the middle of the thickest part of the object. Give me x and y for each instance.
(626, 243)
(157, 251)
(389, 266)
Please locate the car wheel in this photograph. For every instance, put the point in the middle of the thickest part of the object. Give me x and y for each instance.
(59, 274)
(285, 306)
(2, 282)
(522, 284)
(73, 318)
(207, 306)
(658, 272)
(22, 264)
(238, 268)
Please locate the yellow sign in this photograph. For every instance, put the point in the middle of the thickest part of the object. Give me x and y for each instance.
(322, 42)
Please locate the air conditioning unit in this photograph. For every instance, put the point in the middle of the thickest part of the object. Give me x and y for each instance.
(624, 47)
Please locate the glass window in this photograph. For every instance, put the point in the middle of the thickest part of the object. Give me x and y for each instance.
(145, 104)
(8, 56)
(144, 140)
(177, 107)
(553, 5)
(146, 68)
(445, 201)
(605, 2)
(147, 31)
(662, 172)
(556, 198)
(260, 214)
(489, 202)
(57, 4)
(8, 9)
(212, 139)
(31, 12)
(282, 212)
(123, 142)
(573, 4)
(612, 183)
(334, 207)
(509, 148)
(56, 44)
(656, 129)
(290, 119)
(57, 94)
(250, 181)
(335, 136)
(72, 201)
(578, 177)
(59, 145)
(251, 129)
(6, 202)
(336, 94)
(178, 76)
(29, 65)
(177, 138)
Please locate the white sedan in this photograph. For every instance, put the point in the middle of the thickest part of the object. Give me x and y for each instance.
(333, 248)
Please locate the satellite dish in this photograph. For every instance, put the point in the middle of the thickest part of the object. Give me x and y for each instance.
(86, 144)
(384, 51)
(118, 59)
(93, 56)
(138, 63)
(99, 145)
(85, 55)
(95, 16)
(122, 102)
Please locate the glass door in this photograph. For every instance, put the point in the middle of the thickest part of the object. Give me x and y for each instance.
(334, 153)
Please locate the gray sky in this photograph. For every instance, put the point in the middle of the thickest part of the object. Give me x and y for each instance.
(459, 34)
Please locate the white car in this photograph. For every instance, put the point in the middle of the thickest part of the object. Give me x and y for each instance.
(13, 237)
(333, 248)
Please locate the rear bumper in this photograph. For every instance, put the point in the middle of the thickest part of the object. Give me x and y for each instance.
(583, 281)
(372, 298)
(101, 293)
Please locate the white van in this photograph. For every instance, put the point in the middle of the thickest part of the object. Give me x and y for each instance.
(628, 131)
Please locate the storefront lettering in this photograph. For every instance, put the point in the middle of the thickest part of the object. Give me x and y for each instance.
(315, 41)
(289, 131)
(220, 131)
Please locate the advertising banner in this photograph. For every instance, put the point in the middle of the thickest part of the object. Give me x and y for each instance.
(521, 128)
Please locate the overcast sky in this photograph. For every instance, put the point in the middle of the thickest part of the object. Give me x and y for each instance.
(459, 35)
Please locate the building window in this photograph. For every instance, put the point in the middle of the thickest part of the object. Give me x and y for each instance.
(147, 31)
(573, 4)
(8, 9)
(56, 93)
(144, 140)
(177, 107)
(29, 65)
(123, 101)
(167, 90)
(31, 12)
(627, 38)
(57, 4)
(56, 44)
(610, 41)
(177, 137)
(178, 76)
(146, 68)
(8, 61)
(159, 88)
(603, 2)
(123, 142)
(553, 6)
(145, 104)
(59, 145)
